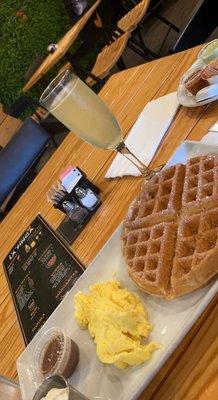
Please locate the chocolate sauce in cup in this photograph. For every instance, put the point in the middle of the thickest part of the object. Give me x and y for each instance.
(56, 353)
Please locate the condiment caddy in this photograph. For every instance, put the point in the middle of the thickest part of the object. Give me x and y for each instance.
(77, 197)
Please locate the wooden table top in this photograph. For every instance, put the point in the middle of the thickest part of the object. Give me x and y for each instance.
(190, 372)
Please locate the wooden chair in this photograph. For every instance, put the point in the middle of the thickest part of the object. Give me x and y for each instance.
(108, 57)
(105, 61)
(61, 49)
(8, 127)
(153, 11)
(129, 23)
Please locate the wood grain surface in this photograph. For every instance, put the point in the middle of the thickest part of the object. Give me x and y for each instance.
(126, 93)
(8, 127)
(2, 114)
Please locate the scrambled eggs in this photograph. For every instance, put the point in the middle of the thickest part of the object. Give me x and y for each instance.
(117, 321)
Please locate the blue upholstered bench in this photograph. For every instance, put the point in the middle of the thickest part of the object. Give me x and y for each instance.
(20, 154)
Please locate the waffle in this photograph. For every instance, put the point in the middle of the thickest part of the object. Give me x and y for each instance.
(159, 200)
(196, 252)
(169, 238)
(200, 190)
(148, 262)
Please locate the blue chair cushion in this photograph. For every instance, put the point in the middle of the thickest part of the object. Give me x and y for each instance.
(20, 154)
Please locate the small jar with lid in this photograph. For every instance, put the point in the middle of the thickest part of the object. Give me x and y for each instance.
(56, 353)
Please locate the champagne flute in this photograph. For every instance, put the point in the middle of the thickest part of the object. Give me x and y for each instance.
(74, 104)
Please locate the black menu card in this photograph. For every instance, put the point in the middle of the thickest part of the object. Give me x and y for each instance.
(40, 270)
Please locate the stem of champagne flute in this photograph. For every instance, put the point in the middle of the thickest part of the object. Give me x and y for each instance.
(145, 170)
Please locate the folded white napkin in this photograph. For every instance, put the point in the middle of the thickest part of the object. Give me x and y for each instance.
(146, 135)
(211, 137)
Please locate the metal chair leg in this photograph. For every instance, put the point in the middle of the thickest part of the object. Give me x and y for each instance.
(144, 47)
(144, 51)
(53, 142)
(81, 72)
(166, 21)
(134, 44)
(153, 11)
(121, 65)
(164, 41)
(136, 49)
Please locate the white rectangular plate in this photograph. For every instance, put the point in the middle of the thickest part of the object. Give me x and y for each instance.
(171, 321)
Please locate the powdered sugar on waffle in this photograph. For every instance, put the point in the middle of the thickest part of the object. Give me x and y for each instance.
(201, 184)
(159, 200)
(170, 232)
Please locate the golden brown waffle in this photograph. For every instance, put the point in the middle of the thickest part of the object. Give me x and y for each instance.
(196, 254)
(169, 238)
(149, 255)
(201, 184)
(159, 200)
